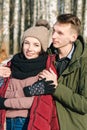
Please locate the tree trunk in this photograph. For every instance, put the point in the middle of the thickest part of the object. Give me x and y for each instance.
(18, 15)
(1, 24)
(85, 23)
(22, 18)
(52, 11)
(16, 26)
(79, 9)
(67, 6)
(6, 8)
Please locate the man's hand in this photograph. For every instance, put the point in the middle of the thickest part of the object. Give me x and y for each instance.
(49, 75)
(40, 87)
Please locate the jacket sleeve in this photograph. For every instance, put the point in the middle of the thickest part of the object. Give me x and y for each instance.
(19, 103)
(75, 101)
(17, 100)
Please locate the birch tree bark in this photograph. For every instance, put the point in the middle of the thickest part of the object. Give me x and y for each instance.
(67, 6)
(16, 26)
(85, 23)
(53, 11)
(18, 15)
(27, 13)
(47, 10)
(1, 23)
(60, 6)
(31, 6)
(79, 9)
(35, 16)
(42, 9)
(37, 10)
(22, 17)
(6, 8)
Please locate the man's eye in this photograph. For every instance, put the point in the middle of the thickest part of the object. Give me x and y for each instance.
(60, 33)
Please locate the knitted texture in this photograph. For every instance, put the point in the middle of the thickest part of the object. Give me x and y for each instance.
(41, 33)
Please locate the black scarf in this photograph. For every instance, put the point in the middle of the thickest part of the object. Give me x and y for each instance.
(23, 68)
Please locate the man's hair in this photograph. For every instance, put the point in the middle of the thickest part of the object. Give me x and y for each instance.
(72, 19)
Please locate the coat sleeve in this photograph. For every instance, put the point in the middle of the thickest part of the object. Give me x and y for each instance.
(17, 100)
(75, 101)
(19, 103)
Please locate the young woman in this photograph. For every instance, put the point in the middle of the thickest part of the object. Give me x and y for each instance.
(25, 67)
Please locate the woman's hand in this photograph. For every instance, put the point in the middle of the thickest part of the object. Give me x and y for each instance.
(49, 75)
(5, 72)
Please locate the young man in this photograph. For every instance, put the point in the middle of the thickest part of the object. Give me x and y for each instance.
(71, 63)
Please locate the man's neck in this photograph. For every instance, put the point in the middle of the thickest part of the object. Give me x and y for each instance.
(64, 52)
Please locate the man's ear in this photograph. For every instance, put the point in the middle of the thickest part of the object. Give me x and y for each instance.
(74, 37)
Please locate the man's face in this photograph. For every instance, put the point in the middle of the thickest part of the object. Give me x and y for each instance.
(63, 35)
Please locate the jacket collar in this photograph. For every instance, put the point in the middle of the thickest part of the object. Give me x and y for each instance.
(76, 57)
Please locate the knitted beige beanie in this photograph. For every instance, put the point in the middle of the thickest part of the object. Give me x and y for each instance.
(41, 33)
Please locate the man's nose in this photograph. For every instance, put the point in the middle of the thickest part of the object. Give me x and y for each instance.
(54, 35)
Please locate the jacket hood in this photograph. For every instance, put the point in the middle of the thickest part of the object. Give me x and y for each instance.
(79, 48)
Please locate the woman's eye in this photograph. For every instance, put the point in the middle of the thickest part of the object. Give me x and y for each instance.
(26, 42)
(36, 44)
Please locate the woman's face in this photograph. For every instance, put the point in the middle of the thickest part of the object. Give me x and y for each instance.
(31, 48)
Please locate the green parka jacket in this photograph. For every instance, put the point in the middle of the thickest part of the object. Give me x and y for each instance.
(71, 92)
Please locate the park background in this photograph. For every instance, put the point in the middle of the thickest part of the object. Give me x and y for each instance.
(18, 15)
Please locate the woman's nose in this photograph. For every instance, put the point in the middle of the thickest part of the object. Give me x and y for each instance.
(30, 47)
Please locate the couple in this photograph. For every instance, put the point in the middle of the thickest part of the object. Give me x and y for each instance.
(68, 89)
